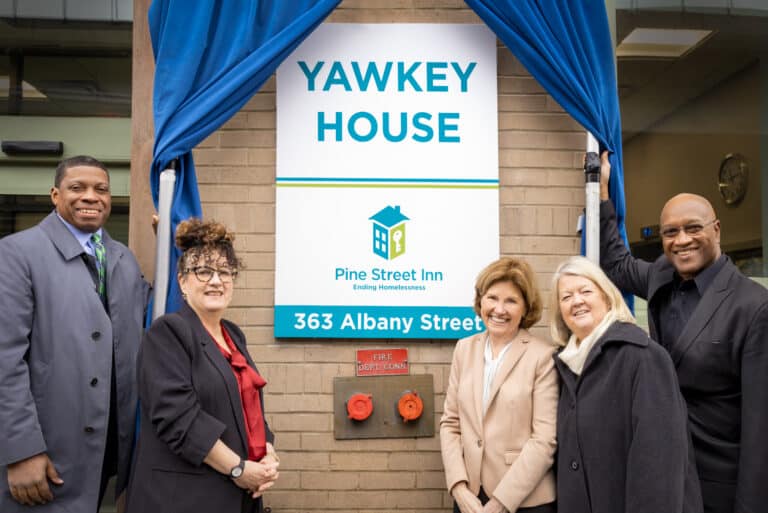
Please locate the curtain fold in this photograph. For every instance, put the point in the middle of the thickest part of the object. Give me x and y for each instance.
(211, 57)
(566, 45)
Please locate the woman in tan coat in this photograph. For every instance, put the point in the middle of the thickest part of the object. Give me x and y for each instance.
(497, 432)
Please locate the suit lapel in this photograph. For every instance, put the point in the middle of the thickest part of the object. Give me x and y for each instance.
(512, 356)
(61, 237)
(70, 249)
(715, 295)
(114, 254)
(213, 353)
(658, 280)
(477, 366)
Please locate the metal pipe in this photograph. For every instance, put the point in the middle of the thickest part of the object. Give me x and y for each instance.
(592, 197)
(163, 254)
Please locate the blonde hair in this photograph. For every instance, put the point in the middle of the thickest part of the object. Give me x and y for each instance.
(518, 272)
(580, 266)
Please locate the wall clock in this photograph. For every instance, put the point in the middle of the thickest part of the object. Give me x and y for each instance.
(733, 178)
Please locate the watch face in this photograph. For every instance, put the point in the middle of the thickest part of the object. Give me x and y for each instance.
(733, 178)
(236, 472)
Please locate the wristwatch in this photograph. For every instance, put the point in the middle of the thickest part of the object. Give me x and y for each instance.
(237, 470)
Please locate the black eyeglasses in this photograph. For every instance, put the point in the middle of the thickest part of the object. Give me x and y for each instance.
(693, 229)
(205, 274)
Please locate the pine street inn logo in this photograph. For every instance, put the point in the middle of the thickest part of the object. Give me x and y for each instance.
(389, 232)
(388, 242)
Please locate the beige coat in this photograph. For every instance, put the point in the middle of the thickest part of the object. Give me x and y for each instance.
(510, 450)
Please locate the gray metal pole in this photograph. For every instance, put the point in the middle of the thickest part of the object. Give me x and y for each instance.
(592, 193)
(163, 255)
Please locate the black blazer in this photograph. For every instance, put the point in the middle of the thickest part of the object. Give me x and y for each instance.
(189, 399)
(721, 358)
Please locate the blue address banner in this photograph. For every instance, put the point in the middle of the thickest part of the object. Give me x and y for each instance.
(318, 321)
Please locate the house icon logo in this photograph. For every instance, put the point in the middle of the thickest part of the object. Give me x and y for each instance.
(389, 232)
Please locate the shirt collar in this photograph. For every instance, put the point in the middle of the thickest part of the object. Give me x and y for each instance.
(705, 277)
(488, 352)
(82, 237)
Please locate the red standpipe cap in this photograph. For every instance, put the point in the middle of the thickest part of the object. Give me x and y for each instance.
(410, 406)
(359, 406)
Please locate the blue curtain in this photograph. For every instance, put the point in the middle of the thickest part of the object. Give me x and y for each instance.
(211, 57)
(566, 45)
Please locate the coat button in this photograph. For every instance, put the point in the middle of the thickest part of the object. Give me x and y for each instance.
(96, 335)
(88, 429)
(94, 381)
(479, 443)
(574, 465)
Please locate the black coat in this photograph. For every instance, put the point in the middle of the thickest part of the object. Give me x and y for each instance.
(721, 358)
(623, 443)
(189, 399)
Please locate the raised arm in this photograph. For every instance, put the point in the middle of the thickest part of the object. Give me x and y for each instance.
(627, 272)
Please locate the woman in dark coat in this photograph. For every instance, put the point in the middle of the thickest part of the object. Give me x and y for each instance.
(623, 443)
(204, 444)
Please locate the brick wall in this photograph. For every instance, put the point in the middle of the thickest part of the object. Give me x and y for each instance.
(541, 195)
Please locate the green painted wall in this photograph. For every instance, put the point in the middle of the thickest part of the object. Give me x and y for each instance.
(107, 139)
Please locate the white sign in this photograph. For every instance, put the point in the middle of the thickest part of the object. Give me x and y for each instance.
(387, 180)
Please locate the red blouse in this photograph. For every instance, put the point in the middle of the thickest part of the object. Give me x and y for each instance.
(249, 382)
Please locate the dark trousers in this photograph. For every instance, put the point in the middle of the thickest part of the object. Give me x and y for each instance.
(543, 508)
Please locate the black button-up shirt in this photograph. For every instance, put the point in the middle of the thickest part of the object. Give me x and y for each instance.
(679, 299)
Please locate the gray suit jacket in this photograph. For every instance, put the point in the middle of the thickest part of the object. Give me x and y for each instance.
(721, 358)
(56, 348)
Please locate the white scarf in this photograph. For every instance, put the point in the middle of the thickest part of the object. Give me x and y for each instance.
(575, 353)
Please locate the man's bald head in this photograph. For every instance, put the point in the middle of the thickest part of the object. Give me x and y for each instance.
(690, 202)
(690, 233)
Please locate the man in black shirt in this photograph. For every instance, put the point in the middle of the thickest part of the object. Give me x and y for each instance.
(714, 323)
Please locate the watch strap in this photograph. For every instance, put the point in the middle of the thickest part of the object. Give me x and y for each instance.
(237, 470)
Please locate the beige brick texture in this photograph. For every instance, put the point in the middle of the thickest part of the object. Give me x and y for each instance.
(541, 196)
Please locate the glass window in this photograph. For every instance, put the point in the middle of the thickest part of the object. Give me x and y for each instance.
(65, 68)
(69, 85)
(693, 90)
(19, 212)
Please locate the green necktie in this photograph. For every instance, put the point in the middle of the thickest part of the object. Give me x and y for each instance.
(101, 262)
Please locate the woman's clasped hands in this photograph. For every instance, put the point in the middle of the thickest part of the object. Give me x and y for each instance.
(258, 476)
(469, 503)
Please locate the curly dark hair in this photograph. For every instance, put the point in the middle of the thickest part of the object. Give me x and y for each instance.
(199, 240)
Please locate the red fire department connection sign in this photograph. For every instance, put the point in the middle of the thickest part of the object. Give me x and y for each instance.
(382, 362)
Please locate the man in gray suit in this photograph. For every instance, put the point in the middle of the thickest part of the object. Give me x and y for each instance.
(713, 320)
(72, 304)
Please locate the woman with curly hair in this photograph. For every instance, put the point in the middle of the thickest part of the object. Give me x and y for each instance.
(204, 444)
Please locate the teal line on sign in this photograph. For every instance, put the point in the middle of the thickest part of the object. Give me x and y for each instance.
(388, 180)
(386, 186)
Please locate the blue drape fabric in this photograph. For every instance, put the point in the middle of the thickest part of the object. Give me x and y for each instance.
(211, 57)
(566, 45)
